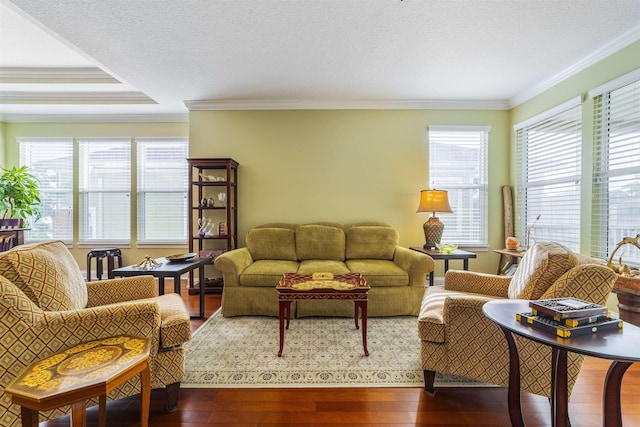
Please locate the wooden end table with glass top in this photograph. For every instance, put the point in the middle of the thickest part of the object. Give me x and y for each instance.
(620, 346)
(323, 286)
(458, 254)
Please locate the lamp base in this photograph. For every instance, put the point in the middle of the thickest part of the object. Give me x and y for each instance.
(433, 229)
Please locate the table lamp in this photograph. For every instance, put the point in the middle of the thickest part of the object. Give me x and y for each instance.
(433, 201)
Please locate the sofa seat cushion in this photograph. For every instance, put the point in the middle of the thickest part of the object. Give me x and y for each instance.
(311, 266)
(175, 326)
(369, 242)
(541, 266)
(48, 274)
(379, 273)
(314, 241)
(272, 243)
(266, 272)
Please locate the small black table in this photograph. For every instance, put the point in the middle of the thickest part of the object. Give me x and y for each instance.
(620, 346)
(173, 269)
(437, 255)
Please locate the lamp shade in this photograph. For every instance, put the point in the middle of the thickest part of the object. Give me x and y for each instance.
(435, 201)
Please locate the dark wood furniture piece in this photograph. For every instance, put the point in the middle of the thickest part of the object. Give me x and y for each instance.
(11, 233)
(508, 256)
(458, 254)
(111, 254)
(350, 286)
(619, 346)
(85, 371)
(172, 270)
(628, 292)
(213, 195)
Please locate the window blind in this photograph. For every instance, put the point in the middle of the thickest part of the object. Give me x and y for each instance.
(50, 160)
(548, 184)
(105, 190)
(162, 190)
(458, 163)
(616, 172)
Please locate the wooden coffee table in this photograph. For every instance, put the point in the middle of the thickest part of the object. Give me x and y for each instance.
(323, 286)
(77, 374)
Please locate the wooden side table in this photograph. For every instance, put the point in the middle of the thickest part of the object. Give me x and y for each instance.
(508, 255)
(437, 255)
(87, 370)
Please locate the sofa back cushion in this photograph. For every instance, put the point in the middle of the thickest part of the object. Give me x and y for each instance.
(314, 241)
(47, 274)
(541, 266)
(371, 242)
(272, 243)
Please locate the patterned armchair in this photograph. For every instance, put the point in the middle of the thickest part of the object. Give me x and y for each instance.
(45, 307)
(456, 338)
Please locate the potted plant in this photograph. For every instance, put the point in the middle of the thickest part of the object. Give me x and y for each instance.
(19, 194)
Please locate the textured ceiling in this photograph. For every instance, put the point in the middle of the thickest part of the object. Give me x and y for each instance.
(320, 52)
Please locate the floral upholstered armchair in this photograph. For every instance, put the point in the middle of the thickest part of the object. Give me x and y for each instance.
(46, 307)
(456, 337)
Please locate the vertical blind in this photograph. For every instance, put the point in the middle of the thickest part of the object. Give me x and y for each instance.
(548, 185)
(104, 189)
(50, 160)
(162, 189)
(616, 172)
(458, 163)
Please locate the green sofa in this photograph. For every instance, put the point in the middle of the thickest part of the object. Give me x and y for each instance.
(397, 275)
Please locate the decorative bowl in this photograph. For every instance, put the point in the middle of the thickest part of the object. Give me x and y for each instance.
(180, 257)
(446, 248)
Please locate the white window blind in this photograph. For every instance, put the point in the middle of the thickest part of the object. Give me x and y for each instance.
(458, 163)
(105, 190)
(162, 190)
(616, 172)
(51, 161)
(548, 185)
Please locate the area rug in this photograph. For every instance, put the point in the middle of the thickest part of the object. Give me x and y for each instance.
(241, 352)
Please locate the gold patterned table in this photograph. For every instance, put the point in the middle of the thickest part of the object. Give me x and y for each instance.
(323, 286)
(75, 375)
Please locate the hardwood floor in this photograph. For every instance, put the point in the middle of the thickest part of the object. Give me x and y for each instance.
(365, 406)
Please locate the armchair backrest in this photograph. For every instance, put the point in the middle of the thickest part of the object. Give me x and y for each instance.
(47, 273)
(539, 269)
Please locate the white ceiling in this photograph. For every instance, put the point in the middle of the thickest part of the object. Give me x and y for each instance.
(158, 57)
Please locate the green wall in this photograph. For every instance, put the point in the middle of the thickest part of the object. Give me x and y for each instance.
(343, 165)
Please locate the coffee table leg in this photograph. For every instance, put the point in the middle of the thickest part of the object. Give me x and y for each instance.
(612, 413)
(102, 410)
(559, 388)
(355, 314)
(30, 417)
(285, 307)
(145, 394)
(79, 414)
(363, 311)
(161, 285)
(515, 410)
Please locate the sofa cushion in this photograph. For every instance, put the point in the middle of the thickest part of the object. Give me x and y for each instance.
(541, 266)
(266, 272)
(588, 282)
(311, 266)
(272, 243)
(378, 272)
(47, 273)
(368, 242)
(315, 241)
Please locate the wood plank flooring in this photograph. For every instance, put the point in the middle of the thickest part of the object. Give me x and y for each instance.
(397, 407)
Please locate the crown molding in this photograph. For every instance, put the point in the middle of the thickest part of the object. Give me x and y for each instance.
(596, 56)
(94, 118)
(49, 74)
(344, 104)
(75, 97)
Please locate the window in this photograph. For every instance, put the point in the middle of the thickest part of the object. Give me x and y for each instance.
(458, 163)
(51, 161)
(548, 183)
(105, 190)
(616, 167)
(162, 190)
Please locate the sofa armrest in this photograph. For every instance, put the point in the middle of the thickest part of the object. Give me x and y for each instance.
(477, 283)
(112, 291)
(415, 263)
(232, 263)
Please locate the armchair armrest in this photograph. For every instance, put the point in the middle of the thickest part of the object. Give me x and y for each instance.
(477, 283)
(232, 263)
(113, 291)
(415, 263)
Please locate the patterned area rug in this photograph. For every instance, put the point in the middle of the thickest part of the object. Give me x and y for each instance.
(318, 352)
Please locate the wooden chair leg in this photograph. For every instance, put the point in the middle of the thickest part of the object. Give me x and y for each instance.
(173, 390)
(429, 378)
